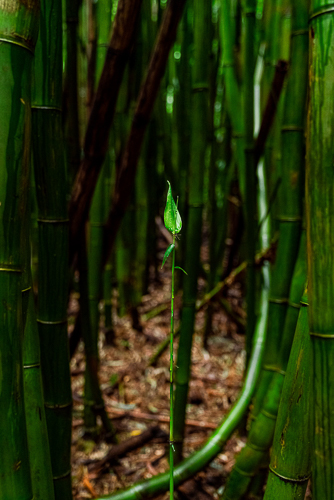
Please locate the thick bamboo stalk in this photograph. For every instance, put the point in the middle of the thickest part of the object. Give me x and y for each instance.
(290, 464)
(291, 190)
(255, 453)
(38, 442)
(51, 189)
(18, 33)
(319, 224)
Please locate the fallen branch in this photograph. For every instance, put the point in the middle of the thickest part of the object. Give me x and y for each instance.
(121, 449)
(159, 418)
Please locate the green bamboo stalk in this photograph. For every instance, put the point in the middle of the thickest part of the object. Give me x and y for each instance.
(38, 443)
(51, 189)
(39, 453)
(250, 167)
(202, 12)
(254, 454)
(291, 454)
(94, 403)
(72, 132)
(173, 223)
(291, 190)
(319, 225)
(18, 33)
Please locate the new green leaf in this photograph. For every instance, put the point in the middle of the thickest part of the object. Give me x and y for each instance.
(172, 218)
(167, 253)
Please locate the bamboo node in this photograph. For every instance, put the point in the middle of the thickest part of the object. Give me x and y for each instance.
(279, 301)
(292, 128)
(296, 306)
(60, 322)
(62, 476)
(14, 41)
(26, 289)
(53, 221)
(10, 269)
(50, 108)
(257, 448)
(324, 9)
(244, 473)
(322, 335)
(33, 365)
(290, 479)
(299, 32)
(269, 415)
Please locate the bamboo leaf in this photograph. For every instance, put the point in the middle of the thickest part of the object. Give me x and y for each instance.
(167, 253)
(178, 267)
(172, 218)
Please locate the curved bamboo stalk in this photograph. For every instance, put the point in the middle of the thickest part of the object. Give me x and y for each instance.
(51, 190)
(319, 218)
(18, 33)
(291, 454)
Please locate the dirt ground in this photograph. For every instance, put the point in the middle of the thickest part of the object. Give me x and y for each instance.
(140, 399)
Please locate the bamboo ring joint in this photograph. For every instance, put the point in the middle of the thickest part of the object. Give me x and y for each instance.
(322, 335)
(14, 41)
(291, 480)
(324, 9)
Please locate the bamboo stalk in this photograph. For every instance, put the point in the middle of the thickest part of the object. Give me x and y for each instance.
(18, 33)
(290, 464)
(51, 189)
(319, 224)
(194, 222)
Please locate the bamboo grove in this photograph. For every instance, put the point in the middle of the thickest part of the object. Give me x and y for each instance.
(102, 103)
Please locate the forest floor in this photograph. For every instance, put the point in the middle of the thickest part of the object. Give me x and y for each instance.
(140, 398)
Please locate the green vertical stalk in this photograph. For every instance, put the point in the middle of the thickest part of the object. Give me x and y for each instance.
(171, 381)
(202, 12)
(290, 465)
(319, 225)
(18, 34)
(256, 451)
(38, 442)
(71, 87)
(250, 167)
(39, 453)
(51, 189)
(291, 190)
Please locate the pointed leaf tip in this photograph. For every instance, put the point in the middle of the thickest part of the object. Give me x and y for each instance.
(172, 218)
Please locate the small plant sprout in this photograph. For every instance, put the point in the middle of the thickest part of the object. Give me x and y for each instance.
(173, 223)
